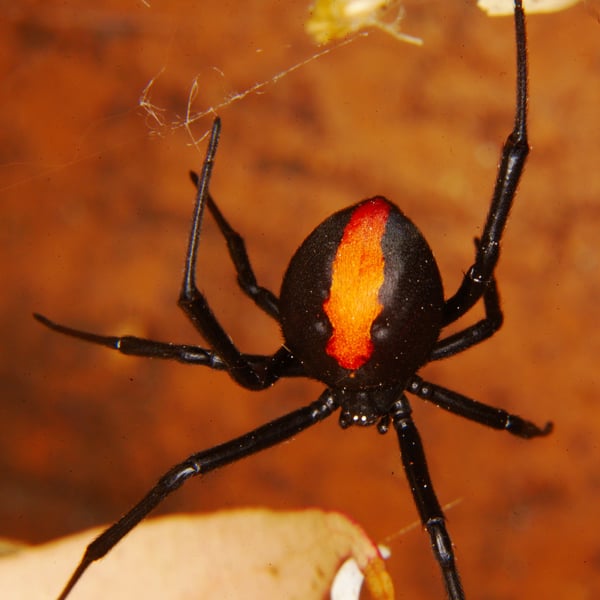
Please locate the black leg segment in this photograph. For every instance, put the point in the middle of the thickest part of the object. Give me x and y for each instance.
(201, 463)
(477, 333)
(493, 417)
(430, 511)
(195, 305)
(514, 154)
(263, 298)
(283, 362)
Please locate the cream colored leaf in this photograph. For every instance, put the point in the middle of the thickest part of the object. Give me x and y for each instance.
(231, 555)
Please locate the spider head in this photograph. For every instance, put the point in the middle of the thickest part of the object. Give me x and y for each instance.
(365, 407)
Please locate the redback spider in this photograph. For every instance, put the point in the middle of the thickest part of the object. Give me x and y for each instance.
(361, 309)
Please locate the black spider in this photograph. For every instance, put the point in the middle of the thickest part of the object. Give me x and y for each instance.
(361, 309)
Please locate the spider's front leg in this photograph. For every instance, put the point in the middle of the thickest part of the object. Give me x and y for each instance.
(421, 486)
(490, 416)
(201, 463)
(514, 154)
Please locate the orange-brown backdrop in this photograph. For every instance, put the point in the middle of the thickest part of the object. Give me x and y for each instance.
(95, 203)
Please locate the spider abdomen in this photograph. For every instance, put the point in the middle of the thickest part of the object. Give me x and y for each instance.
(362, 297)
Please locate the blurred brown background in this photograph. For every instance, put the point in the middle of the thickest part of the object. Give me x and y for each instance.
(95, 204)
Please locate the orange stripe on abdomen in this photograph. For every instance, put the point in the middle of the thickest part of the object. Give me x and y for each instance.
(356, 278)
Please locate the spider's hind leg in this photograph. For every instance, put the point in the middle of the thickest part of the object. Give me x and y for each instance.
(490, 416)
(263, 298)
(514, 155)
(192, 301)
(477, 333)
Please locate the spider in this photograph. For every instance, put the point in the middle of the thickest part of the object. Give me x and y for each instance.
(361, 309)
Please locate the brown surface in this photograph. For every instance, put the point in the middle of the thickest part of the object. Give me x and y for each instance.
(95, 212)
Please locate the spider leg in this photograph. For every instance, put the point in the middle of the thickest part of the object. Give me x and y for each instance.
(263, 298)
(195, 305)
(131, 345)
(135, 346)
(430, 511)
(201, 463)
(250, 370)
(514, 154)
(470, 336)
(460, 405)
